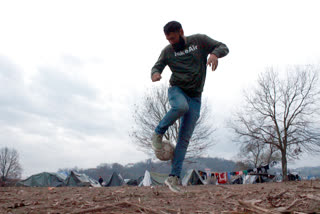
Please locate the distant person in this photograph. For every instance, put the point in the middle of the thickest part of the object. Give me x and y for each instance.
(186, 56)
(100, 180)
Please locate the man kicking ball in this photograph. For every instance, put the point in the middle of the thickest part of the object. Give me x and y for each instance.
(186, 57)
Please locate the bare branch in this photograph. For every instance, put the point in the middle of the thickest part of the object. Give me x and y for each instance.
(149, 112)
(281, 113)
(9, 164)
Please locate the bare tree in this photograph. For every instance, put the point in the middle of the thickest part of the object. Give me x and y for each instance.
(256, 153)
(9, 164)
(282, 112)
(152, 108)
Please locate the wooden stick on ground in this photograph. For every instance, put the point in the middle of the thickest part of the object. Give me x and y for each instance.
(313, 197)
(293, 203)
(117, 205)
(141, 207)
(95, 209)
(279, 195)
(287, 209)
(250, 205)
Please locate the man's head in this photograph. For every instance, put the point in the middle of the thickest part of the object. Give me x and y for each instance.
(175, 35)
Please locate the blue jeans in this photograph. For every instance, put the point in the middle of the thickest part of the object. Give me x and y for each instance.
(188, 110)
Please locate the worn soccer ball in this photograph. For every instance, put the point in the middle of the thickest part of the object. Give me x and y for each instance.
(166, 153)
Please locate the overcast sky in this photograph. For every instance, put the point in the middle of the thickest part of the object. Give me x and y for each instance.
(70, 71)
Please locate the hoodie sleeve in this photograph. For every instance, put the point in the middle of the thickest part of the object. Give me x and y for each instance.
(160, 64)
(214, 47)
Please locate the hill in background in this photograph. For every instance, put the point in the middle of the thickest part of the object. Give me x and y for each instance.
(136, 170)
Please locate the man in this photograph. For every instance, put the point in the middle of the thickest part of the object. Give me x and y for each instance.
(186, 56)
(100, 180)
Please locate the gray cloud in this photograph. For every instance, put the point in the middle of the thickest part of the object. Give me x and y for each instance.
(56, 114)
(70, 103)
(53, 96)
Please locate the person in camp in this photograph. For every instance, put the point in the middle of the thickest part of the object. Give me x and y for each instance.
(187, 57)
(100, 180)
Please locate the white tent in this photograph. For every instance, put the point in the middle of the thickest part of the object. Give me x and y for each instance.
(146, 179)
(153, 179)
(192, 177)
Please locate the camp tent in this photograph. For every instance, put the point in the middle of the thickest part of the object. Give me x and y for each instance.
(115, 180)
(80, 180)
(153, 179)
(131, 182)
(249, 179)
(236, 179)
(278, 178)
(43, 179)
(192, 177)
(140, 179)
(294, 176)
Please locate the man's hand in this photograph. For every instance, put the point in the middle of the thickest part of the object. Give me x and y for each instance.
(156, 77)
(213, 62)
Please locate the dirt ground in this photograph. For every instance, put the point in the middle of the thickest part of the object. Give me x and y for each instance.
(289, 197)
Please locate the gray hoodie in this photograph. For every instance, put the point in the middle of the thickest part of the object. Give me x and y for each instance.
(189, 65)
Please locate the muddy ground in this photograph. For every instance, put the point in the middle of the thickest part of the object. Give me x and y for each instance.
(289, 197)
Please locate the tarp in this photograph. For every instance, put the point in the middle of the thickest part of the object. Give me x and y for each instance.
(115, 180)
(43, 179)
(153, 179)
(278, 178)
(249, 179)
(192, 177)
(131, 182)
(80, 180)
(140, 179)
(236, 179)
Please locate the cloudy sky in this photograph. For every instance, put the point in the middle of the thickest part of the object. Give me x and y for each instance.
(70, 71)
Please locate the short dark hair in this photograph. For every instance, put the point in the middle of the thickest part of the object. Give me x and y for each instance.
(172, 26)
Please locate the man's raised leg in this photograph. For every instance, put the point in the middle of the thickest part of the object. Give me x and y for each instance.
(179, 106)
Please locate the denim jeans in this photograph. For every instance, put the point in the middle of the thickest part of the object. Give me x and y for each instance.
(188, 110)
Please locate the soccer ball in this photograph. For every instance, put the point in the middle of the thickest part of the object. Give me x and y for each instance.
(166, 153)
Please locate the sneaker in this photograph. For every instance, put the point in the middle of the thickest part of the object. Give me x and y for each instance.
(156, 141)
(172, 182)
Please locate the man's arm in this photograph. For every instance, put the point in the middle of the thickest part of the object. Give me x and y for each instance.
(158, 67)
(213, 61)
(215, 49)
(156, 77)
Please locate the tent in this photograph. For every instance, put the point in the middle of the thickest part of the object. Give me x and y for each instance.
(192, 177)
(80, 180)
(236, 179)
(140, 179)
(131, 182)
(249, 179)
(277, 177)
(43, 179)
(115, 180)
(153, 179)
(294, 176)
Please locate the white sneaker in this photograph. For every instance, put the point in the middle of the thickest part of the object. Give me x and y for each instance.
(172, 182)
(156, 141)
